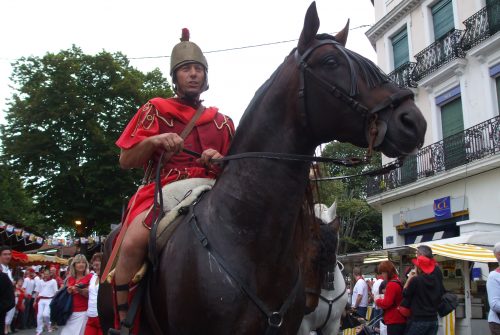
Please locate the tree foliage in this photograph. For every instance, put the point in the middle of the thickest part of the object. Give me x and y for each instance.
(15, 204)
(361, 225)
(63, 119)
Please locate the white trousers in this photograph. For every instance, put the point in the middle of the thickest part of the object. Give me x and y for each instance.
(10, 316)
(76, 324)
(43, 315)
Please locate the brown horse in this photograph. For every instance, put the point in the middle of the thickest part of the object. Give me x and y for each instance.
(230, 267)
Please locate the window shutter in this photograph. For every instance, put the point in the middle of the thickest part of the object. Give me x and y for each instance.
(442, 15)
(452, 119)
(493, 11)
(400, 48)
(452, 122)
(498, 92)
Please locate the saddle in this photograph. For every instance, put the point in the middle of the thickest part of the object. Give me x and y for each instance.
(176, 195)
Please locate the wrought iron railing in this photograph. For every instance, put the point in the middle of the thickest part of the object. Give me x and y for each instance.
(403, 75)
(481, 26)
(472, 144)
(438, 53)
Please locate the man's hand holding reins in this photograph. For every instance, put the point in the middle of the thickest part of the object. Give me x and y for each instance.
(208, 155)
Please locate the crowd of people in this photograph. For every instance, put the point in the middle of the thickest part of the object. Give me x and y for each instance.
(26, 294)
(409, 305)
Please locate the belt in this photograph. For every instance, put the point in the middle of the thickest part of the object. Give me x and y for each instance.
(45, 297)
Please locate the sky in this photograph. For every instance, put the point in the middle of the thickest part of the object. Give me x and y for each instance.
(150, 28)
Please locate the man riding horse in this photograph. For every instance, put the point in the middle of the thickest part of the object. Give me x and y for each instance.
(157, 130)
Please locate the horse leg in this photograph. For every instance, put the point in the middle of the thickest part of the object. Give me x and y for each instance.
(130, 259)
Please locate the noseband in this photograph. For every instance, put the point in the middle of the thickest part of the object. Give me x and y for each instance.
(370, 114)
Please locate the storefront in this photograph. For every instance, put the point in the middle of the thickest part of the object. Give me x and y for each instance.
(465, 261)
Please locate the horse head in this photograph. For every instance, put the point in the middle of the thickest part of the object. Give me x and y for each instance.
(321, 260)
(345, 94)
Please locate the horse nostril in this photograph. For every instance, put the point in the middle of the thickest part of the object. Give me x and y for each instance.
(407, 121)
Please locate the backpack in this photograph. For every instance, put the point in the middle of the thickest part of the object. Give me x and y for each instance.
(61, 307)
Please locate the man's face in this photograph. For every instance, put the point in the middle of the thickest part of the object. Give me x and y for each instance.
(5, 257)
(190, 79)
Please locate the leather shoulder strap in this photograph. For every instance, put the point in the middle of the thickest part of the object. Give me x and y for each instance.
(185, 132)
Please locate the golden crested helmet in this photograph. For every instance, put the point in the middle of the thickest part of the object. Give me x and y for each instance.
(186, 52)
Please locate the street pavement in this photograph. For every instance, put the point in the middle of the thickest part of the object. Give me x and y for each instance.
(32, 331)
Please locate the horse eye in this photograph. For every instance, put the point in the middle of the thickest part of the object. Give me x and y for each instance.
(329, 61)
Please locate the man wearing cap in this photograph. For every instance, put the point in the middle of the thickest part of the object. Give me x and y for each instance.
(423, 291)
(156, 129)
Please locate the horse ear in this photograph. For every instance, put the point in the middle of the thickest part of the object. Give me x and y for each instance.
(332, 211)
(335, 224)
(341, 36)
(311, 26)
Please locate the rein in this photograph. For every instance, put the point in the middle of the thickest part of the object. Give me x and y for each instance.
(348, 162)
(274, 318)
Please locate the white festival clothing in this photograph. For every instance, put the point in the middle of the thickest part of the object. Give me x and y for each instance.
(93, 289)
(47, 288)
(361, 288)
(43, 315)
(76, 324)
(28, 285)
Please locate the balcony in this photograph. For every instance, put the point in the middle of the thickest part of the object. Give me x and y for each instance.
(473, 144)
(481, 26)
(403, 75)
(438, 53)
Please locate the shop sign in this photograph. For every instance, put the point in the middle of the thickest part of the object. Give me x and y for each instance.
(442, 208)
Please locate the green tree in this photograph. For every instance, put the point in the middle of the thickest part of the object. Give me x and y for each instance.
(15, 204)
(68, 110)
(361, 225)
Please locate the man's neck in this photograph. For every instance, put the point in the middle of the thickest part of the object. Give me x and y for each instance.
(194, 102)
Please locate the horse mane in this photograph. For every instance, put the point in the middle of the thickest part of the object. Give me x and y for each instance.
(370, 72)
(328, 245)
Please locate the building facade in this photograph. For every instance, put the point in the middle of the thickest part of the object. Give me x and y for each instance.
(448, 53)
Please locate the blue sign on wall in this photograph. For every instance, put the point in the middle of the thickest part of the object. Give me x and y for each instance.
(442, 208)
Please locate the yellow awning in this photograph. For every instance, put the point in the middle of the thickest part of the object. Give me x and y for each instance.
(467, 252)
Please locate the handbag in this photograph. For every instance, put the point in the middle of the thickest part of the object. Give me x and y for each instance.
(61, 307)
(449, 302)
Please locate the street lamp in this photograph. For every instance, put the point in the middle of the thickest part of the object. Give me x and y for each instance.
(78, 222)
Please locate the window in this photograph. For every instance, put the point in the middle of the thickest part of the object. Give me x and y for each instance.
(442, 16)
(452, 123)
(400, 48)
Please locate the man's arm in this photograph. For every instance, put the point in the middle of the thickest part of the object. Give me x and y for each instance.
(358, 300)
(138, 155)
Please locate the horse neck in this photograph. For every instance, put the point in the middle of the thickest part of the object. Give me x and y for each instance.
(264, 196)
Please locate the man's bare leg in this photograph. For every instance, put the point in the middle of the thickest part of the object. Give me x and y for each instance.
(131, 257)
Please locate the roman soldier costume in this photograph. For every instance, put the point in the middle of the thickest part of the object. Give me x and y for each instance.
(212, 130)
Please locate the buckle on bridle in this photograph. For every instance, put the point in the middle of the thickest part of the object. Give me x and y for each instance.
(275, 319)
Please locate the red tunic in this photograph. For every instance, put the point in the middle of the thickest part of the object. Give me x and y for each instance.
(212, 130)
(80, 303)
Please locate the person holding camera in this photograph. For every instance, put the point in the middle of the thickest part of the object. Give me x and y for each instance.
(77, 284)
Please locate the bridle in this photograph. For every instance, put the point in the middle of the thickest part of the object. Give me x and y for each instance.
(328, 284)
(370, 114)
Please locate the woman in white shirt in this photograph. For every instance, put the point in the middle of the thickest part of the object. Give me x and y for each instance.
(47, 290)
(93, 326)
